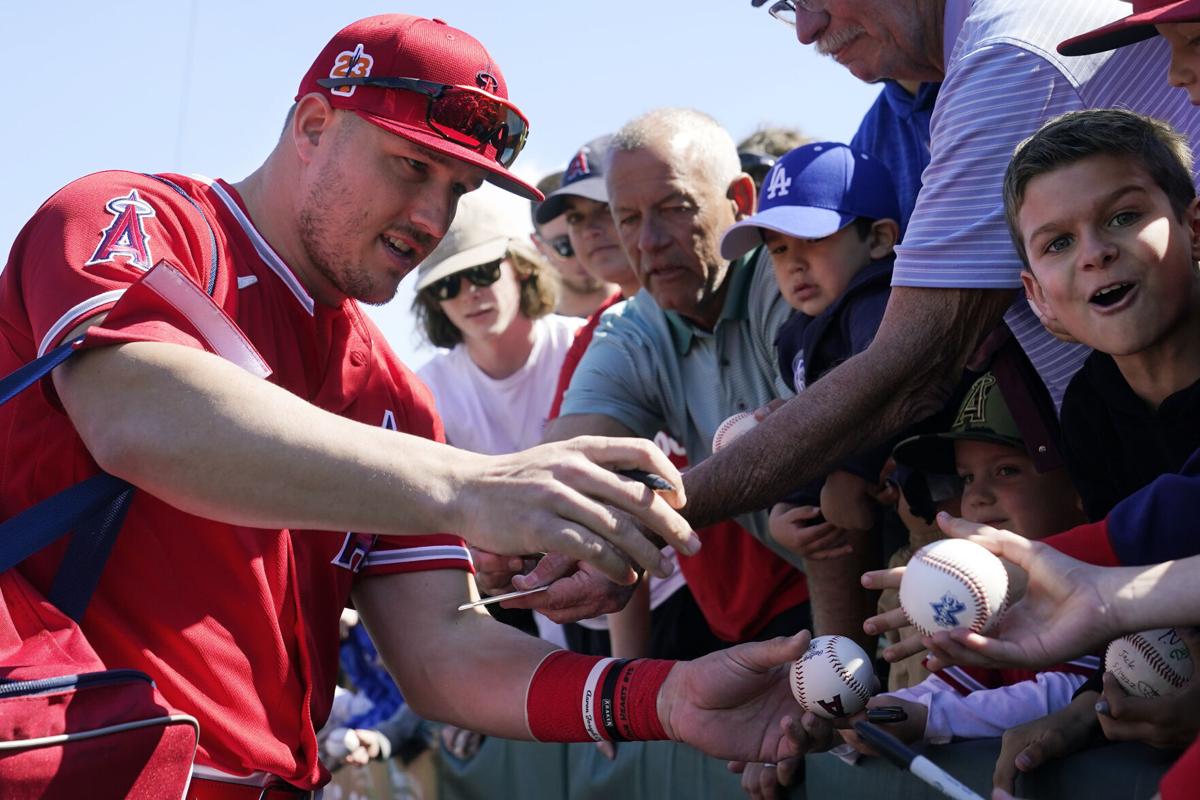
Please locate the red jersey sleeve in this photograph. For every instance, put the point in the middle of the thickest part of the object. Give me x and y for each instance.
(94, 238)
(413, 412)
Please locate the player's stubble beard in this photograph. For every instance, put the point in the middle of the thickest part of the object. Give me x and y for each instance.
(325, 219)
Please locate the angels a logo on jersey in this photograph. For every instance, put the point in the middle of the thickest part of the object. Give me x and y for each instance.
(350, 64)
(356, 546)
(125, 237)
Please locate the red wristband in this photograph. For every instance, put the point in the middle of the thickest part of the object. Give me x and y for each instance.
(564, 702)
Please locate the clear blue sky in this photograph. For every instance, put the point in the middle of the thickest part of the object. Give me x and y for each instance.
(203, 85)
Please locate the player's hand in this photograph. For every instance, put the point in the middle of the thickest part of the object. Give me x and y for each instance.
(763, 781)
(577, 590)
(565, 497)
(1168, 722)
(794, 528)
(911, 729)
(1057, 606)
(1026, 747)
(847, 501)
(736, 703)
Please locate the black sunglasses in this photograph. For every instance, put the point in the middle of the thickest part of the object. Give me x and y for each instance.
(448, 287)
(561, 245)
(463, 114)
(756, 165)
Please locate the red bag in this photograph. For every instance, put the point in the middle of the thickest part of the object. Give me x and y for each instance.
(71, 728)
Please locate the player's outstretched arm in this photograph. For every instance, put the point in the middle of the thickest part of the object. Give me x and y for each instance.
(203, 435)
(467, 669)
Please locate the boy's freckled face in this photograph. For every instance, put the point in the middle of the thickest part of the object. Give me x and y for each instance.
(813, 273)
(1109, 259)
(1002, 488)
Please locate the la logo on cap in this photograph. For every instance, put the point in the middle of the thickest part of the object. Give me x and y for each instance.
(779, 184)
(350, 64)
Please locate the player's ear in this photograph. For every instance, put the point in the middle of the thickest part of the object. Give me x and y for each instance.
(313, 117)
(741, 192)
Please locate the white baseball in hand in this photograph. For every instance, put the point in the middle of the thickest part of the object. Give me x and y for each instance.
(1151, 663)
(341, 742)
(732, 428)
(953, 583)
(834, 678)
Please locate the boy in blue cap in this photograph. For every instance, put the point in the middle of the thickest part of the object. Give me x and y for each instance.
(829, 215)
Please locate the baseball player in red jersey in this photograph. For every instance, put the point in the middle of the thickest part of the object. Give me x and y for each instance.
(229, 373)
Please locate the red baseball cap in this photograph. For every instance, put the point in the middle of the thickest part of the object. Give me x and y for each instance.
(399, 46)
(1132, 29)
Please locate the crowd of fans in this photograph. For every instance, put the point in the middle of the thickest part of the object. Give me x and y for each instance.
(979, 317)
(741, 277)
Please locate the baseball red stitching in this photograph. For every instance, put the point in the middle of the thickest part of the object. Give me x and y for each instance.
(847, 676)
(1155, 660)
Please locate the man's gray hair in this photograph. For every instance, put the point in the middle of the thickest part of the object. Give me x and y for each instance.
(703, 139)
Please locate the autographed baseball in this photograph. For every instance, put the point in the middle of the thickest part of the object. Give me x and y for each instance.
(834, 678)
(1150, 663)
(732, 428)
(953, 583)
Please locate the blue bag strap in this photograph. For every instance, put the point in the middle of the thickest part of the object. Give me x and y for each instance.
(18, 380)
(93, 508)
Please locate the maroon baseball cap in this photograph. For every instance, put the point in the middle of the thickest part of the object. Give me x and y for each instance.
(428, 57)
(1132, 29)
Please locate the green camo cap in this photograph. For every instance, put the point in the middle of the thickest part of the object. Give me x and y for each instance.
(983, 417)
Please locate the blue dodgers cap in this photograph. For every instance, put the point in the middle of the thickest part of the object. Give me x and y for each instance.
(583, 177)
(815, 191)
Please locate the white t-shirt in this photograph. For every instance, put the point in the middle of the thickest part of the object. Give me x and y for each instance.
(486, 415)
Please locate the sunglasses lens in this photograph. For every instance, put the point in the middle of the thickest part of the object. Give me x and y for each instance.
(476, 119)
(562, 246)
(445, 289)
(484, 274)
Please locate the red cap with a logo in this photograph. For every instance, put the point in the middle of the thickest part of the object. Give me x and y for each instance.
(402, 46)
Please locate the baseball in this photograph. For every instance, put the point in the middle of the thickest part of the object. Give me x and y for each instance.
(732, 428)
(341, 742)
(953, 583)
(834, 678)
(1150, 663)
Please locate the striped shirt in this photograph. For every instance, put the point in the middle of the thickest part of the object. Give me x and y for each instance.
(1003, 80)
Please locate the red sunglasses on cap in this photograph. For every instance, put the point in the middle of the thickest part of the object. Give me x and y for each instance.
(464, 115)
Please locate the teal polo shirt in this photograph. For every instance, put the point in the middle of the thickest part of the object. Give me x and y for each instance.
(653, 370)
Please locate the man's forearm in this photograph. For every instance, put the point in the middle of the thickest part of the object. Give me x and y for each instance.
(203, 435)
(906, 374)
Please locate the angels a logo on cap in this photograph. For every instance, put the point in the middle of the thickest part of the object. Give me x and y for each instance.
(578, 168)
(125, 237)
(351, 64)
